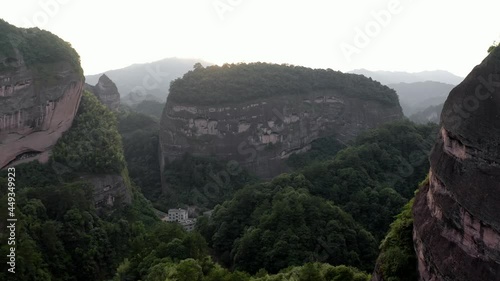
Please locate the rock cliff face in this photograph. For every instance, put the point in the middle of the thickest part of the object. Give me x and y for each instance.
(39, 96)
(456, 216)
(261, 133)
(109, 190)
(106, 91)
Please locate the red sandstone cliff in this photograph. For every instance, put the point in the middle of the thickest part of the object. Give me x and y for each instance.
(39, 92)
(456, 216)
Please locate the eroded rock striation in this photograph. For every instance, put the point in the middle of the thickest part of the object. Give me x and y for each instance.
(456, 216)
(39, 92)
(106, 91)
(260, 130)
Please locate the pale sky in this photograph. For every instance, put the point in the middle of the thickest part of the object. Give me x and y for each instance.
(404, 35)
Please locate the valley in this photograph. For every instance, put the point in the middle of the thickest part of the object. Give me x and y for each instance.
(184, 170)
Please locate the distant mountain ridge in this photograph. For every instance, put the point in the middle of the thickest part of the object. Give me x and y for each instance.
(417, 96)
(392, 77)
(147, 81)
(417, 91)
(430, 114)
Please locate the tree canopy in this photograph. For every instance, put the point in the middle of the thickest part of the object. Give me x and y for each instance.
(38, 48)
(93, 143)
(234, 83)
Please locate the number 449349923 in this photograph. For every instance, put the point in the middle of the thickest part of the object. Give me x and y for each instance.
(11, 187)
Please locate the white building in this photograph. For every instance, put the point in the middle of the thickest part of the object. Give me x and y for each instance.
(177, 215)
(189, 224)
(180, 216)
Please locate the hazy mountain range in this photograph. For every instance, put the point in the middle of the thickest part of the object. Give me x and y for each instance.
(418, 96)
(421, 94)
(151, 81)
(392, 77)
(429, 114)
(147, 81)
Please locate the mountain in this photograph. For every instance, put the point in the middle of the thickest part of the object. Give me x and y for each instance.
(41, 85)
(456, 223)
(106, 91)
(417, 96)
(430, 114)
(259, 114)
(147, 81)
(392, 77)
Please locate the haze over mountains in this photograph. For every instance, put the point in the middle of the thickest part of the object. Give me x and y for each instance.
(147, 81)
(421, 94)
(393, 77)
(418, 96)
(151, 81)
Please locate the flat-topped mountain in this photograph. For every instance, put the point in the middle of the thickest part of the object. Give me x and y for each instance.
(259, 114)
(40, 88)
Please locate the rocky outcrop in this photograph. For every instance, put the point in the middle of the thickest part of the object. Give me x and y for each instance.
(39, 96)
(106, 91)
(260, 134)
(456, 222)
(109, 190)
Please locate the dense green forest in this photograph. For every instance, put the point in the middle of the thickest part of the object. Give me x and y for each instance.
(279, 224)
(335, 208)
(307, 225)
(348, 202)
(233, 83)
(151, 108)
(375, 177)
(322, 149)
(140, 146)
(202, 181)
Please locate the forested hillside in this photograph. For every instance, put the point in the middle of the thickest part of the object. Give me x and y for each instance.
(322, 222)
(335, 208)
(61, 233)
(140, 146)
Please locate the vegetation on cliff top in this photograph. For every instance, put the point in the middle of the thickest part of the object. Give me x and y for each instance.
(233, 83)
(93, 143)
(37, 47)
